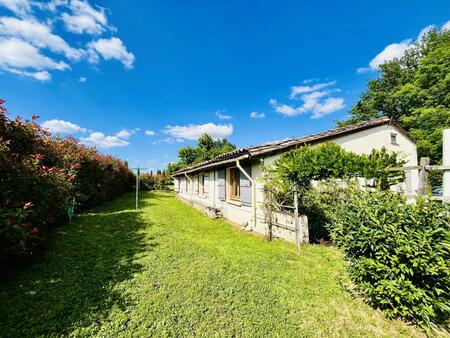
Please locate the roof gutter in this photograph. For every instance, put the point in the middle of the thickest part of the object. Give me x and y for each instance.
(211, 165)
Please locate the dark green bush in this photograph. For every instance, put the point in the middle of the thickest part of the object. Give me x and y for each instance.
(399, 253)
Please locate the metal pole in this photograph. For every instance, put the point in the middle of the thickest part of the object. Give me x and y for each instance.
(137, 189)
(446, 162)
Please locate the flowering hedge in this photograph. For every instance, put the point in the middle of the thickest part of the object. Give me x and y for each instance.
(40, 176)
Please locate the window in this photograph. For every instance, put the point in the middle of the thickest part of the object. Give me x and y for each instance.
(201, 184)
(186, 184)
(393, 138)
(234, 188)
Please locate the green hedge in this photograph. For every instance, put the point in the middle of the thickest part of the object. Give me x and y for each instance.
(399, 253)
(155, 182)
(40, 175)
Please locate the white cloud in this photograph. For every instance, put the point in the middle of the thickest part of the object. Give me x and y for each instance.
(61, 126)
(38, 35)
(18, 57)
(43, 76)
(126, 133)
(316, 102)
(256, 115)
(397, 50)
(149, 132)
(24, 39)
(84, 18)
(82, 79)
(328, 106)
(19, 7)
(220, 114)
(17, 53)
(194, 131)
(446, 26)
(425, 31)
(112, 48)
(101, 140)
(297, 90)
(389, 53)
(285, 109)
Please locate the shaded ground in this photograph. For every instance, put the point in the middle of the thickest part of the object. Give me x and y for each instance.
(168, 270)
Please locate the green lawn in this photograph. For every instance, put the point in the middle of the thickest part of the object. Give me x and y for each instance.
(168, 270)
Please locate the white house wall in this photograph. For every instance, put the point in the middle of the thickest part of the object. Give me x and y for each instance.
(360, 142)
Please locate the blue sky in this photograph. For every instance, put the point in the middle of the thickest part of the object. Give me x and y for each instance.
(139, 79)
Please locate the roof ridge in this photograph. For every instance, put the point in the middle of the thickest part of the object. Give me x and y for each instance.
(290, 142)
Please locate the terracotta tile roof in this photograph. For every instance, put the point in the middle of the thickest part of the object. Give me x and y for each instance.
(287, 144)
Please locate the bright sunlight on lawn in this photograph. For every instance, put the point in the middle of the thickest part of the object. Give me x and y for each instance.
(168, 270)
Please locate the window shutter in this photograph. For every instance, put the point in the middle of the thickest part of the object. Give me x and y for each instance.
(206, 184)
(246, 186)
(222, 186)
(195, 181)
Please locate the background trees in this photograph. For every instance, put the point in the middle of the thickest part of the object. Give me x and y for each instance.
(415, 92)
(206, 149)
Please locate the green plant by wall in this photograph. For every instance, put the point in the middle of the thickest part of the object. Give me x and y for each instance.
(399, 253)
(295, 170)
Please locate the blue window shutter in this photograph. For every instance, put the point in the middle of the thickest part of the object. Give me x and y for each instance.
(222, 186)
(246, 186)
(206, 184)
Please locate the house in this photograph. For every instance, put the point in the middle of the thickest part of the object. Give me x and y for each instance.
(229, 185)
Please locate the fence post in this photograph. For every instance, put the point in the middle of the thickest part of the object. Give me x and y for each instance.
(446, 162)
(297, 226)
(423, 175)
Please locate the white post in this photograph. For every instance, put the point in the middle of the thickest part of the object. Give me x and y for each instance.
(446, 162)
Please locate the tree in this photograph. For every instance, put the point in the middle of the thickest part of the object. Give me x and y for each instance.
(415, 92)
(206, 149)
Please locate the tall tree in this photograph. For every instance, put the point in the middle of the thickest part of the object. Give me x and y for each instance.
(415, 92)
(206, 149)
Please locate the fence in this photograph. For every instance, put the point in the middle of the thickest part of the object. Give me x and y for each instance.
(424, 168)
(281, 216)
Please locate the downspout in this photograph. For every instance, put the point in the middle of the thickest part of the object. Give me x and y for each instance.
(238, 164)
(190, 180)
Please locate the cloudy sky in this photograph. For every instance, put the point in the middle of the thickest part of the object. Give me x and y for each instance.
(139, 79)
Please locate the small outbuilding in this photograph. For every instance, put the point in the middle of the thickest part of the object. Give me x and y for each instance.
(228, 185)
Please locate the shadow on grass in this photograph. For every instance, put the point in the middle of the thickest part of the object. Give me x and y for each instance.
(72, 283)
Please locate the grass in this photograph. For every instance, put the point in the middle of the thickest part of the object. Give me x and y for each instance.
(168, 270)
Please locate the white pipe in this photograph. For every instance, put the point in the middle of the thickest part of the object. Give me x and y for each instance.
(446, 162)
(238, 164)
(192, 185)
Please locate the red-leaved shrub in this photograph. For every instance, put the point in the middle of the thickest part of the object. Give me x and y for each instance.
(41, 175)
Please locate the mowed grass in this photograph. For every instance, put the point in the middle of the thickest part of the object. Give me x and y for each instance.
(168, 270)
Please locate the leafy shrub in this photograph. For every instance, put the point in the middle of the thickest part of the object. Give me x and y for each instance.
(399, 253)
(329, 160)
(155, 182)
(39, 177)
(295, 170)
